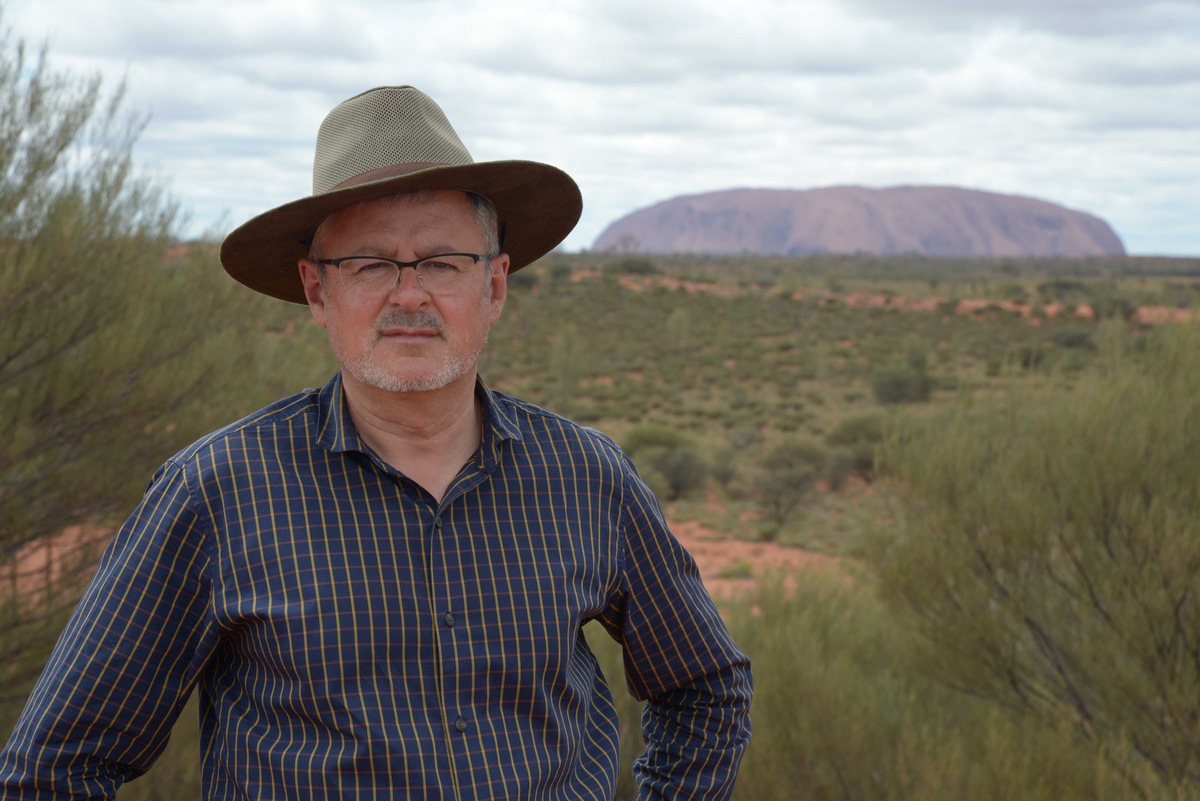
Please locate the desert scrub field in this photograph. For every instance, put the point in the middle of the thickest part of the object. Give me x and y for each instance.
(757, 397)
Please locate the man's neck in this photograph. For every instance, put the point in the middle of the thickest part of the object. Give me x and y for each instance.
(428, 436)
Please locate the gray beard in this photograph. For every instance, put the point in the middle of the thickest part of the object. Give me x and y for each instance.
(368, 371)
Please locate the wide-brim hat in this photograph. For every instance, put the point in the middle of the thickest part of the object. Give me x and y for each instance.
(396, 139)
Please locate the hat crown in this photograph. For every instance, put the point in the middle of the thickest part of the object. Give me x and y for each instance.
(383, 127)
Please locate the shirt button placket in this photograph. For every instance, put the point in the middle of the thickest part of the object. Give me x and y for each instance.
(449, 620)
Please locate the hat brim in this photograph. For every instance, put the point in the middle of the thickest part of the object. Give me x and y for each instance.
(539, 205)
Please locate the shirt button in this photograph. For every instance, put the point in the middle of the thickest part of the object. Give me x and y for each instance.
(448, 619)
(460, 724)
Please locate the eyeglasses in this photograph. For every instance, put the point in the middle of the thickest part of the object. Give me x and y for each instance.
(444, 273)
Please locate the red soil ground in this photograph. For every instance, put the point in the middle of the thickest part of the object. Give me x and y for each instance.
(730, 566)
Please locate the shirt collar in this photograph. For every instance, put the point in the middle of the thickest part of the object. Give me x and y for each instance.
(336, 431)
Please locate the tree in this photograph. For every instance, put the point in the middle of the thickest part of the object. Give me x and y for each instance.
(112, 353)
(1049, 552)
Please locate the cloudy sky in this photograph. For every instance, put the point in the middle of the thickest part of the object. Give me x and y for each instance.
(1094, 104)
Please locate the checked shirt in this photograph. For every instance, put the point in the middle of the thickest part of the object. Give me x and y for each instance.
(350, 637)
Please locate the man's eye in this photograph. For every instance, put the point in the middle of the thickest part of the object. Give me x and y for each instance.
(369, 266)
(439, 266)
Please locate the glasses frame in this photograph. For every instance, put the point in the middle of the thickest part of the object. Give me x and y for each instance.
(400, 265)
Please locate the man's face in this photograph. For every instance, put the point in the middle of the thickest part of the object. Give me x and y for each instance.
(405, 339)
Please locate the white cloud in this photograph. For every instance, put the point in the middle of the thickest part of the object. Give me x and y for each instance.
(1091, 103)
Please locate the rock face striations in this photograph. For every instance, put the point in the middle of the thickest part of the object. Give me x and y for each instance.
(926, 220)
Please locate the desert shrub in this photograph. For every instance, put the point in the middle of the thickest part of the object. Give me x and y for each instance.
(1074, 339)
(947, 307)
(523, 282)
(634, 265)
(839, 467)
(1062, 291)
(724, 467)
(1048, 552)
(857, 438)
(683, 470)
(743, 437)
(841, 712)
(1028, 356)
(1177, 295)
(642, 438)
(667, 459)
(557, 275)
(1108, 302)
(1014, 292)
(901, 384)
(789, 469)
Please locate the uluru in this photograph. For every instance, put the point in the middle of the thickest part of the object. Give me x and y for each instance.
(924, 220)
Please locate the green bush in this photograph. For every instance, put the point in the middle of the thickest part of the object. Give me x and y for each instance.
(1063, 291)
(1028, 356)
(1074, 338)
(789, 469)
(901, 384)
(668, 461)
(117, 349)
(724, 467)
(634, 265)
(681, 470)
(858, 437)
(643, 438)
(522, 281)
(1048, 552)
(841, 712)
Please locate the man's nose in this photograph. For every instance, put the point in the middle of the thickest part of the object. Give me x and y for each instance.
(410, 287)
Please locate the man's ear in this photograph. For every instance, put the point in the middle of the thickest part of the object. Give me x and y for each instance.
(314, 289)
(499, 285)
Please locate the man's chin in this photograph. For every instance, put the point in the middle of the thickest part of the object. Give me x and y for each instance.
(428, 380)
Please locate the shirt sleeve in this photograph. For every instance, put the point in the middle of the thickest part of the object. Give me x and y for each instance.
(680, 659)
(103, 708)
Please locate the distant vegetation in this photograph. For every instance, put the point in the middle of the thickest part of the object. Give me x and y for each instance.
(1011, 486)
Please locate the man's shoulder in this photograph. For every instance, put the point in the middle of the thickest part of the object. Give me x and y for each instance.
(278, 419)
(540, 425)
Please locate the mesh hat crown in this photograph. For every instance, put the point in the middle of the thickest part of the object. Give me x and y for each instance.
(396, 139)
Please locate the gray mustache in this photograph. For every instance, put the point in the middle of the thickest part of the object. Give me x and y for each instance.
(402, 319)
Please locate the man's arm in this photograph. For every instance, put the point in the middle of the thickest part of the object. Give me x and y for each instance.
(125, 663)
(680, 659)
(696, 737)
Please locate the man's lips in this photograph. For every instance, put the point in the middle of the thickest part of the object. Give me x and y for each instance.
(410, 333)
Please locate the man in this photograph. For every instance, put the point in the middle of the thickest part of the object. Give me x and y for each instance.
(379, 587)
